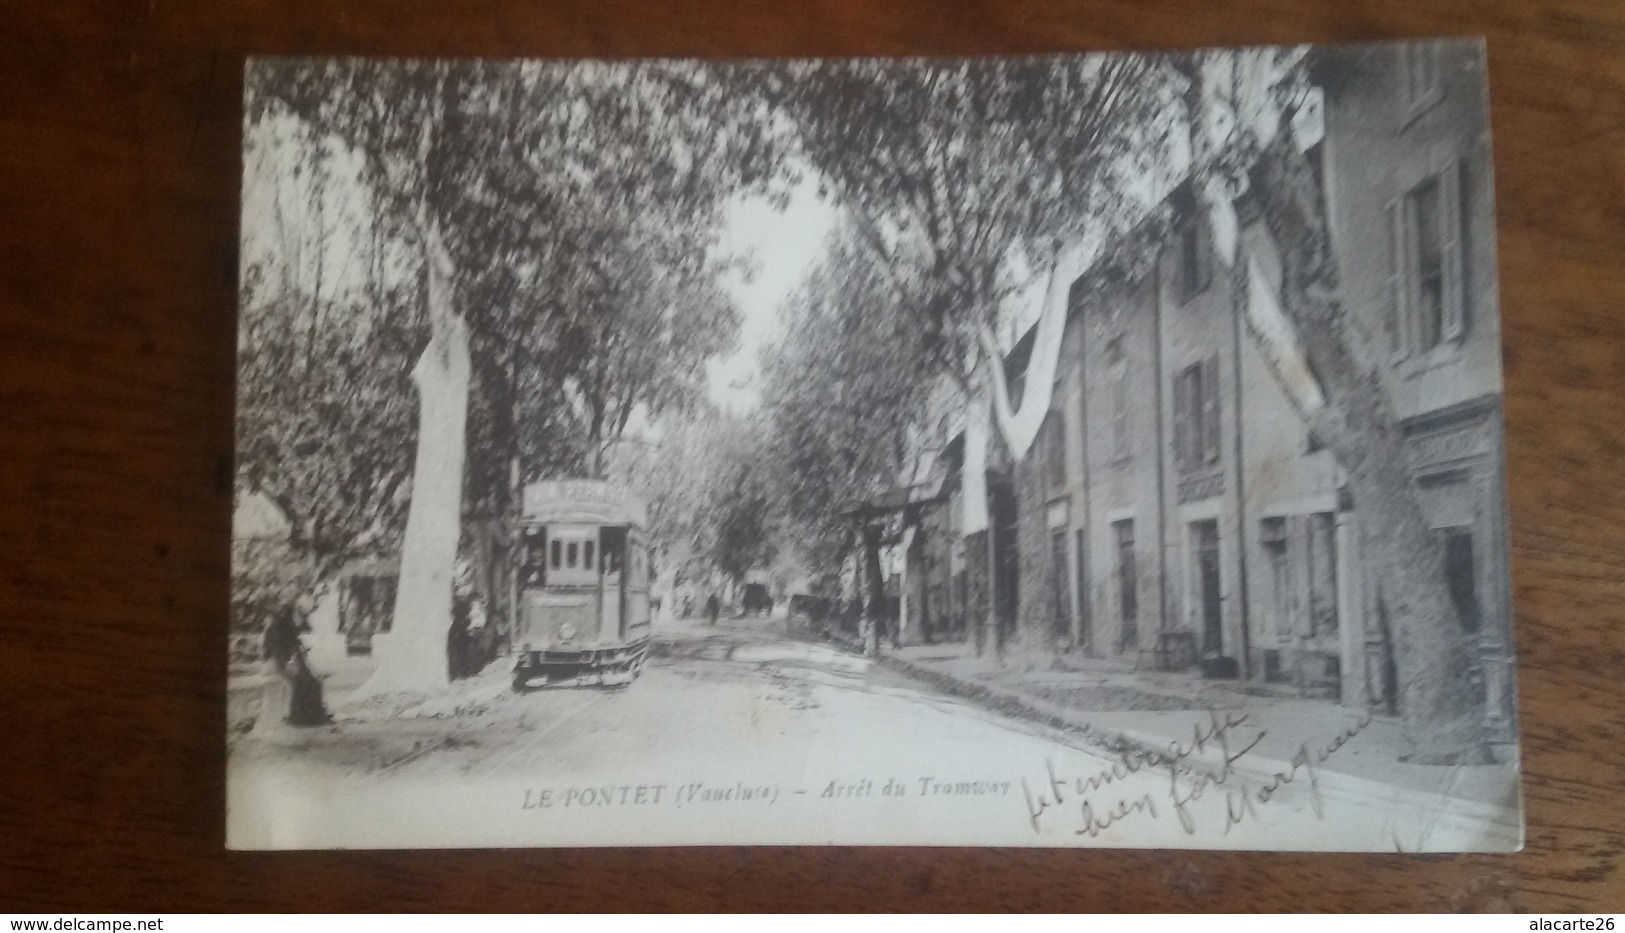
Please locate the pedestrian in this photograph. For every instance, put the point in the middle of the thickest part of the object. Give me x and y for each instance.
(713, 608)
(481, 638)
(457, 634)
(878, 623)
(457, 641)
(293, 694)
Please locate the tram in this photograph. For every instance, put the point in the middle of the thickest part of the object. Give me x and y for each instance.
(582, 612)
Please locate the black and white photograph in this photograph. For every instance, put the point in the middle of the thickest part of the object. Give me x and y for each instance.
(1095, 450)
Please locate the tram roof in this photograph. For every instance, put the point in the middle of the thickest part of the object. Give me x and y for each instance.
(588, 501)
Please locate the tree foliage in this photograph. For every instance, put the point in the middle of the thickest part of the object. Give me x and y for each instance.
(845, 392)
(324, 351)
(743, 505)
(561, 216)
(962, 176)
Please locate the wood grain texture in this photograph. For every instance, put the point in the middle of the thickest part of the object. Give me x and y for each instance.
(119, 167)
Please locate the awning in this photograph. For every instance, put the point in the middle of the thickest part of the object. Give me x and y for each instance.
(899, 500)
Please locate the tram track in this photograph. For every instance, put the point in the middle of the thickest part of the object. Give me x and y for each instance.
(530, 745)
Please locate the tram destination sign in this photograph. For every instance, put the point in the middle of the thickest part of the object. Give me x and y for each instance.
(584, 499)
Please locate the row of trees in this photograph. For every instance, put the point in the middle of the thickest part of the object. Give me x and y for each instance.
(543, 270)
(715, 506)
(964, 186)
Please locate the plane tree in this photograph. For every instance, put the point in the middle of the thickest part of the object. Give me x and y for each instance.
(525, 194)
(321, 370)
(844, 400)
(1248, 152)
(969, 182)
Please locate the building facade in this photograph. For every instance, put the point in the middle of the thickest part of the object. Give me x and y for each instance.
(1407, 168)
(1175, 512)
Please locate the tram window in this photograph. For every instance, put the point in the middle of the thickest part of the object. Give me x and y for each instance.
(571, 552)
(614, 547)
(558, 549)
(586, 555)
(535, 557)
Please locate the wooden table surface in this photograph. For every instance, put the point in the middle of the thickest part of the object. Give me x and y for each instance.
(119, 167)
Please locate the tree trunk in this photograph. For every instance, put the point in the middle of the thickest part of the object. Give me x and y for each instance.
(874, 609)
(1019, 429)
(973, 469)
(595, 433)
(1439, 701)
(1442, 711)
(1033, 641)
(1347, 409)
(973, 519)
(413, 655)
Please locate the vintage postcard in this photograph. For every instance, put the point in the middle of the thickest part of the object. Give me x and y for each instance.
(1094, 450)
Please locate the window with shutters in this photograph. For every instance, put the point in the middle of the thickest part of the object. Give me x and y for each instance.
(1426, 281)
(1460, 574)
(1322, 545)
(1194, 271)
(1278, 559)
(1423, 83)
(1128, 582)
(1428, 264)
(1119, 402)
(1209, 449)
(1054, 451)
(1196, 414)
(1184, 424)
(1080, 544)
(1060, 597)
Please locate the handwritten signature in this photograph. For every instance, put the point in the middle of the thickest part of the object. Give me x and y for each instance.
(1208, 759)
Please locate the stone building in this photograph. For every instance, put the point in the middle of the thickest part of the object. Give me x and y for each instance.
(1407, 171)
(1110, 505)
(1175, 512)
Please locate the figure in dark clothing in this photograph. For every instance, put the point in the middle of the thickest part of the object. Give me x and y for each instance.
(885, 627)
(286, 658)
(281, 639)
(458, 645)
(713, 608)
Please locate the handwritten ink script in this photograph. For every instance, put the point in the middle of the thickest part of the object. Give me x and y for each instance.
(1150, 783)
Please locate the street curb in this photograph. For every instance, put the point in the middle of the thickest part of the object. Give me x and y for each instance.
(1114, 742)
(1000, 699)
